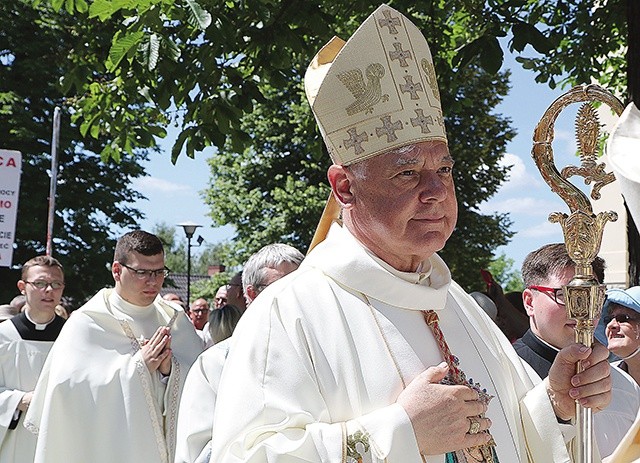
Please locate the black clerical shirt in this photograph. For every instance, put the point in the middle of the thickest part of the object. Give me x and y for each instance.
(29, 332)
(536, 353)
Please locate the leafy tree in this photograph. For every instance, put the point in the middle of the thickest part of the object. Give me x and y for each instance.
(503, 272)
(93, 197)
(207, 289)
(175, 250)
(206, 66)
(203, 65)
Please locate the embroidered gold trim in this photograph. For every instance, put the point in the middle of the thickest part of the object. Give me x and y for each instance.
(357, 445)
(384, 338)
(367, 94)
(145, 377)
(344, 442)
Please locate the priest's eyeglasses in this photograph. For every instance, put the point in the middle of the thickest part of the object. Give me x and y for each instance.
(143, 274)
(557, 294)
(44, 284)
(620, 318)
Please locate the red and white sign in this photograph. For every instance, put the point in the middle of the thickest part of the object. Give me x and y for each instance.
(10, 170)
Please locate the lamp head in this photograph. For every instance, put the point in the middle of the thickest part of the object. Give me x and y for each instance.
(189, 228)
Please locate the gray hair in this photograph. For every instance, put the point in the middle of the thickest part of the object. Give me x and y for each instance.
(360, 169)
(269, 256)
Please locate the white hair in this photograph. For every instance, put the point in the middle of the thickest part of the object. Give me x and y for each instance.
(270, 256)
(360, 169)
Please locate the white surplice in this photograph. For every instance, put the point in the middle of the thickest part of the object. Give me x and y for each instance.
(96, 401)
(21, 362)
(197, 405)
(323, 353)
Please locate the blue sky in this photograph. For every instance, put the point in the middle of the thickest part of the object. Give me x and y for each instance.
(173, 190)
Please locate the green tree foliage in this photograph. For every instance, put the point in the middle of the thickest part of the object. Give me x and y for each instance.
(175, 251)
(175, 258)
(503, 272)
(219, 70)
(36, 49)
(204, 64)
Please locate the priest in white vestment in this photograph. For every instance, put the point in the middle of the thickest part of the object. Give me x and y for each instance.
(110, 389)
(369, 351)
(197, 406)
(25, 342)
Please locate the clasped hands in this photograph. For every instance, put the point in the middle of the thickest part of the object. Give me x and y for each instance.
(448, 418)
(156, 352)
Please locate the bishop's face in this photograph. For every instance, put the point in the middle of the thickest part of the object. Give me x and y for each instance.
(402, 205)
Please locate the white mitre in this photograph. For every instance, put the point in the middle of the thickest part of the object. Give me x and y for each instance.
(377, 91)
(623, 149)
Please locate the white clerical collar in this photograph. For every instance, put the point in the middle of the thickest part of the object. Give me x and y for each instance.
(39, 326)
(419, 277)
(545, 342)
(344, 259)
(132, 310)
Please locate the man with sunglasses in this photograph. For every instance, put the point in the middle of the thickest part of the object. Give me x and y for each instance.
(544, 272)
(116, 372)
(25, 342)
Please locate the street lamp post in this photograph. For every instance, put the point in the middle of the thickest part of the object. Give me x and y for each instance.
(189, 230)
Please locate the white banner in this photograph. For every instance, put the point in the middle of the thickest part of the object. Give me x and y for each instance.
(10, 170)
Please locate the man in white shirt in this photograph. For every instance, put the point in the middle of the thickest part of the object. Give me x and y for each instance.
(25, 342)
(369, 351)
(114, 377)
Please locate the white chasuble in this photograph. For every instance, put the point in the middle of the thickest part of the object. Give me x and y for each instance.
(96, 401)
(317, 363)
(21, 361)
(197, 405)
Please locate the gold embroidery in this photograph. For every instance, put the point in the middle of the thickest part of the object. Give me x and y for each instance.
(389, 22)
(412, 88)
(430, 72)
(401, 55)
(357, 445)
(389, 128)
(355, 140)
(422, 121)
(367, 94)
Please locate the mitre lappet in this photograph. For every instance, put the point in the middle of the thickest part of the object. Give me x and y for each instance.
(377, 91)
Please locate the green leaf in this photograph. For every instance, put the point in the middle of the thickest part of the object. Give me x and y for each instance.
(172, 50)
(525, 34)
(154, 48)
(491, 55)
(121, 47)
(177, 146)
(198, 16)
(103, 9)
(81, 6)
(57, 4)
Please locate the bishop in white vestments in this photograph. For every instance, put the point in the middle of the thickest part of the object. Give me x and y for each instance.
(369, 351)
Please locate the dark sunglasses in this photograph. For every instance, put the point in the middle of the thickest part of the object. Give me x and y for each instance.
(620, 318)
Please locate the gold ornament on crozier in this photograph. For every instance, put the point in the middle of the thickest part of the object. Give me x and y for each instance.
(581, 228)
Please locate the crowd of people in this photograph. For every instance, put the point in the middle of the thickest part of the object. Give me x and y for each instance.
(363, 350)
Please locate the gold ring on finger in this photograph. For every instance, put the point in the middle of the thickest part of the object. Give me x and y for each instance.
(474, 425)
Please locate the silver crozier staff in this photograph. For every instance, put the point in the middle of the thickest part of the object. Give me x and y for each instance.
(582, 229)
